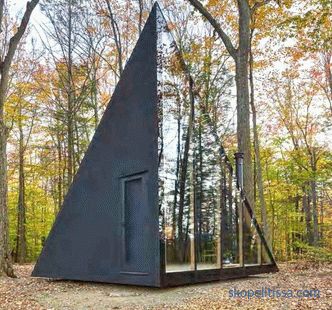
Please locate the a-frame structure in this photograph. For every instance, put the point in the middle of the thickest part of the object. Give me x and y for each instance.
(133, 214)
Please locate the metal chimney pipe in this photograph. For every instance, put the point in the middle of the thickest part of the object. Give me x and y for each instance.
(239, 169)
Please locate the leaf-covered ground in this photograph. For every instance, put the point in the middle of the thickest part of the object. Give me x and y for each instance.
(28, 293)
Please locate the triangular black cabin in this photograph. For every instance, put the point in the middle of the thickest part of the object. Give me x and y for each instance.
(154, 201)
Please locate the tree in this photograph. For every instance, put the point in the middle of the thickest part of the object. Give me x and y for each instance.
(72, 74)
(312, 30)
(296, 105)
(258, 175)
(121, 29)
(21, 111)
(117, 36)
(5, 65)
(240, 56)
(140, 19)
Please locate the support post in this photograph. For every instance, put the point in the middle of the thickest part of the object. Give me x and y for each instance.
(239, 183)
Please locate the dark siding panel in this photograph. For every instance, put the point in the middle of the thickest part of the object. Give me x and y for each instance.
(85, 242)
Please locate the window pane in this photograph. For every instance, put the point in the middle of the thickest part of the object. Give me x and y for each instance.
(176, 190)
(208, 177)
(251, 241)
(230, 222)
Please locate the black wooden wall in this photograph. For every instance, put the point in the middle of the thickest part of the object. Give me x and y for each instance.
(94, 237)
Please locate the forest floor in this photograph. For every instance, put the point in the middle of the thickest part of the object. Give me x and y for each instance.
(29, 293)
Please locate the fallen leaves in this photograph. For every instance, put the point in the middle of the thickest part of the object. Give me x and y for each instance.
(38, 294)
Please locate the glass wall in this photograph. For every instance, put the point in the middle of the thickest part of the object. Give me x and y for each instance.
(176, 190)
(202, 222)
(230, 220)
(208, 190)
(251, 241)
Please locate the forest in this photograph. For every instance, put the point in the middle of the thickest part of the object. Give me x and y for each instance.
(261, 68)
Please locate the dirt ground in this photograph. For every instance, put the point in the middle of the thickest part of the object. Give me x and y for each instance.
(28, 293)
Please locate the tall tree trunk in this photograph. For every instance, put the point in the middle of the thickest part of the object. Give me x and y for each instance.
(243, 118)
(321, 219)
(21, 247)
(327, 57)
(307, 213)
(94, 94)
(59, 172)
(259, 174)
(314, 213)
(313, 185)
(70, 151)
(5, 257)
(140, 18)
(199, 196)
(70, 112)
(184, 170)
(178, 158)
(242, 91)
(77, 152)
(240, 56)
(182, 190)
(5, 64)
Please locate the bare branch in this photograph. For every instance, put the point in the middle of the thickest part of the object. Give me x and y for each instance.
(259, 4)
(215, 24)
(13, 43)
(117, 35)
(140, 20)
